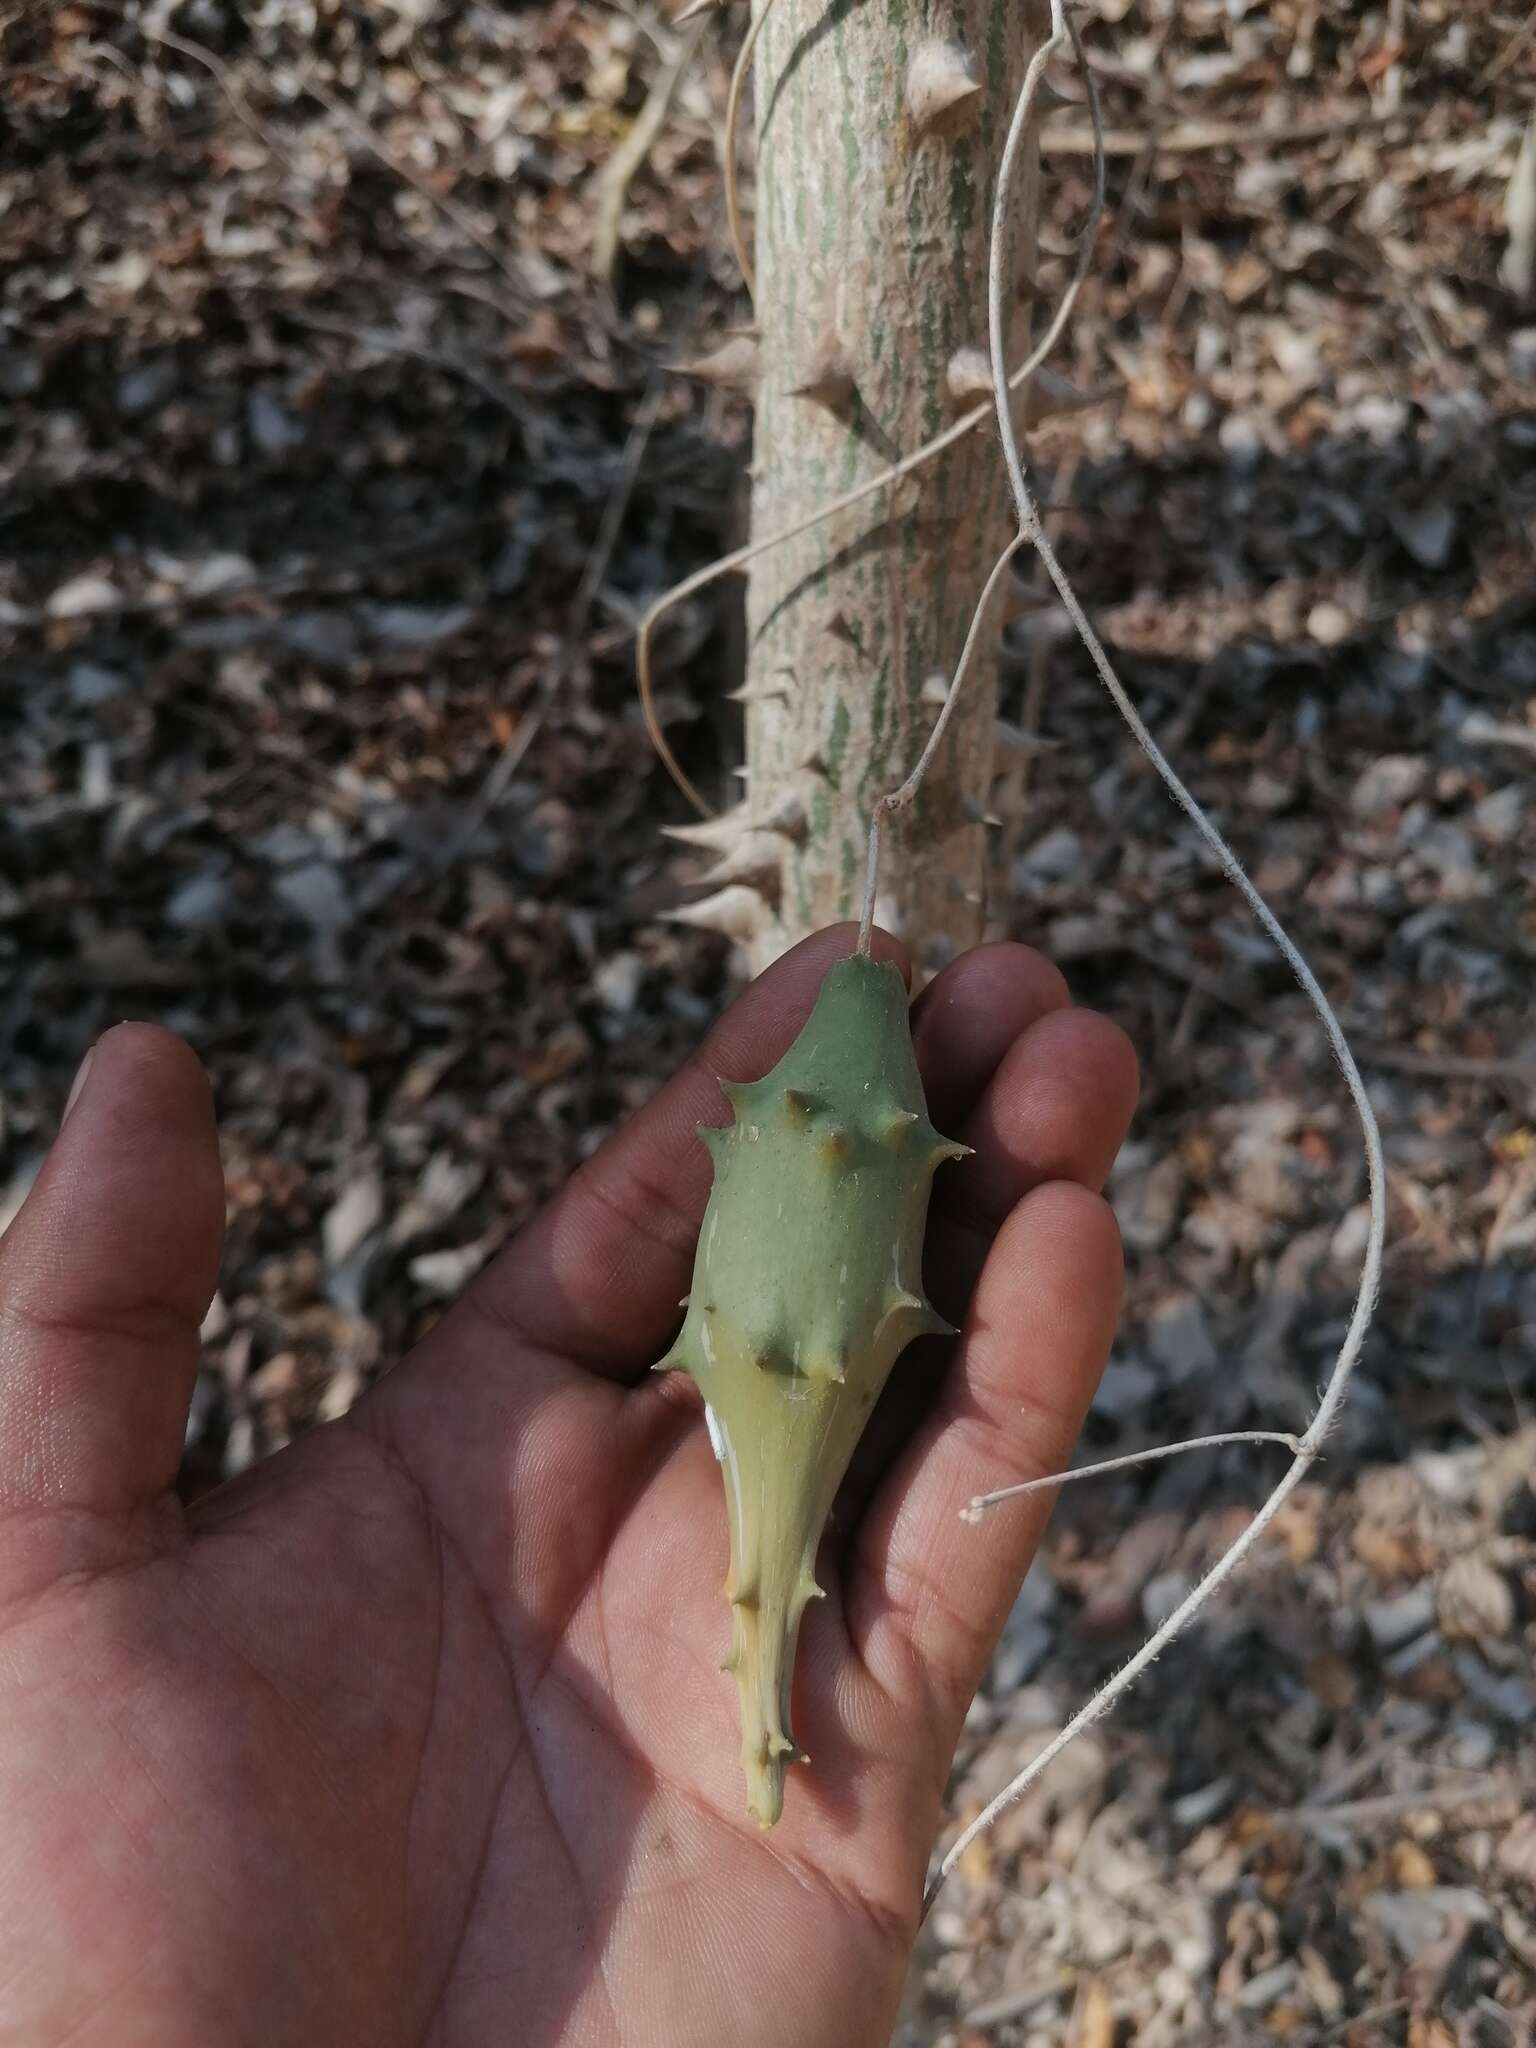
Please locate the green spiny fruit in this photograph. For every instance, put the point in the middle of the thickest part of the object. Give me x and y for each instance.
(806, 1289)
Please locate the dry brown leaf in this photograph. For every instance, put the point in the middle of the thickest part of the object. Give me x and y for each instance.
(1245, 278)
(1333, 1680)
(1390, 1553)
(1517, 1853)
(1296, 1526)
(1198, 1153)
(1381, 59)
(1434, 1680)
(976, 1863)
(1094, 2020)
(1475, 1600)
(1411, 1868)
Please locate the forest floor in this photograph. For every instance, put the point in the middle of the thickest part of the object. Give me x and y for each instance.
(331, 487)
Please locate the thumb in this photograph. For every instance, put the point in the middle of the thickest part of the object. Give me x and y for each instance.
(105, 1276)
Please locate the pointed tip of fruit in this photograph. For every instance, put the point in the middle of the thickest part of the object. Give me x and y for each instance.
(765, 1799)
(935, 1325)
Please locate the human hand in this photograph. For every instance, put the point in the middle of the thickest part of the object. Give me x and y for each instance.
(415, 1734)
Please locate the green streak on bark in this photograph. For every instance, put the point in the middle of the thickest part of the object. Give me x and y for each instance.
(849, 877)
(879, 702)
(943, 483)
(917, 186)
(848, 125)
(848, 474)
(932, 360)
(896, 15)
(962, 193)
(802, 893)
(837, 742)
(997, 50)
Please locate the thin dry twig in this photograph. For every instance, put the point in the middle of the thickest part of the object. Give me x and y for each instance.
(979, 1503)
(225, 80)
(1362, 1813)
(1449, 1066)
(450, 209)
(332, 576)
(1189, 138)
(625, 164)
(1389, 2009)
(511, 757)
(1365, 1300)
(391, 342)
(1511, 50)
(729, 146)
(1014, 2005)
(1013, 802)
(512, 754)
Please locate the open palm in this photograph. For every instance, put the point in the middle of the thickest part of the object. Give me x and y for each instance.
(416, 1733)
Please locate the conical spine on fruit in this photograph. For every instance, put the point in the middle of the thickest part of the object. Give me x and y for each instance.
(807, 1287)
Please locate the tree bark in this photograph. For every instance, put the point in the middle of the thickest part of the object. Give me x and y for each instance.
(880, 124)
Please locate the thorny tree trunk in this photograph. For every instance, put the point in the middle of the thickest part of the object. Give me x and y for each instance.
(880, 125)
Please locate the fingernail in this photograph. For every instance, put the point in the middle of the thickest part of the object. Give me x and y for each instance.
(78, 1084)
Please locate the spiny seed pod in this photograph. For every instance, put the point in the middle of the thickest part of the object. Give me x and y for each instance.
(806, 1289)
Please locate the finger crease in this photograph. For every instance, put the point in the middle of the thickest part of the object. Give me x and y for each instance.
(641, 1206)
